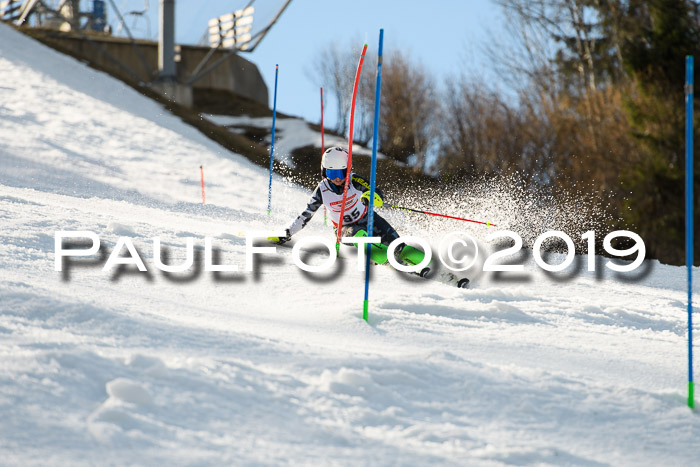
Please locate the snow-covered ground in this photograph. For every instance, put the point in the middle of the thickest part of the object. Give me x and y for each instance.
(277, 366)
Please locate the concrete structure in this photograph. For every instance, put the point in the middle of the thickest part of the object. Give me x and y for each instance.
(166, 41)
(236, 74)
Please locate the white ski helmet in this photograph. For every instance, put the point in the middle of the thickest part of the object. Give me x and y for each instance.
(334, 158)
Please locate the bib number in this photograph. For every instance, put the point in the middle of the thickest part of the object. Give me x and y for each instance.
(352, 216)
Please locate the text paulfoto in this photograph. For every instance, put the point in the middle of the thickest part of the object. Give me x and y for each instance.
(456, 262)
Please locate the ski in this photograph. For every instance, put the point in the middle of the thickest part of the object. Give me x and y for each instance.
(444, 277)
(412, 256)
(447, 278)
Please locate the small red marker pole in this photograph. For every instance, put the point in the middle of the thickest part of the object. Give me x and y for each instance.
(201, 171)
(323, 146)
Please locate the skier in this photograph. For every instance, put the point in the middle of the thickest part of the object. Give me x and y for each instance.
(329, 192)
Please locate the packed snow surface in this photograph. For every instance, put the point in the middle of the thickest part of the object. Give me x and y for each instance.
(277, 366)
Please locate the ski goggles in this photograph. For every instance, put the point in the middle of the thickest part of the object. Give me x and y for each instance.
(335, 173)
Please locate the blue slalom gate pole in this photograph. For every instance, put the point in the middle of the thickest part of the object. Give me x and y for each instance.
(689, 216)
(272, 145)
(373, 177)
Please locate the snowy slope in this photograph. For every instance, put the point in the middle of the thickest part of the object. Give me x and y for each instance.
(277, 366)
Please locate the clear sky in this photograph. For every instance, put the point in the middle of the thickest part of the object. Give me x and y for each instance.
(446, 36)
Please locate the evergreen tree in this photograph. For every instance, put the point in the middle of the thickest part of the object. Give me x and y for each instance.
(655, 37)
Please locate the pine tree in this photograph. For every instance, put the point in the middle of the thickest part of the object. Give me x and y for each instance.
(655, 37)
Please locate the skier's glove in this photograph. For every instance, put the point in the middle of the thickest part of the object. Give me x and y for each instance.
(281, 240)
(378, 201)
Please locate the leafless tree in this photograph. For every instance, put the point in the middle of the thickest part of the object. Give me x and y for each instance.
(335, 71)
(408, 101)
(409, 104)
(482, 134)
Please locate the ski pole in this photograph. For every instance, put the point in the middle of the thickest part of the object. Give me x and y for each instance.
(487, 224)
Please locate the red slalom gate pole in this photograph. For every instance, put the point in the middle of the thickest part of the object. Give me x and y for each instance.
(201, 171)
(323, 146)
(349, 169)
(487, 224)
